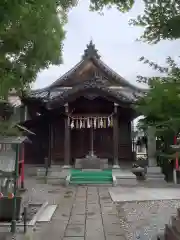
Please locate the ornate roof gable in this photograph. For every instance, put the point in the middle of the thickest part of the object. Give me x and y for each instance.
(91, 51)
(91, 56)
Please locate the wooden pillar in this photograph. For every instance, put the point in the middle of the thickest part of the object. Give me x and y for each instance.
(66, 137)
(115, 137)
(50, 145)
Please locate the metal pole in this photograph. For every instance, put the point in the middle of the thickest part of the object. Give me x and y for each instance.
(25, 219)
(13, 223)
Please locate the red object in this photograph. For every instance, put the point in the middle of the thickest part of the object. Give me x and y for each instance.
(1, 195)
(10, 195)
(177, 161)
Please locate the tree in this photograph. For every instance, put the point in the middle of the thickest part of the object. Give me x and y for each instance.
(121, 5)
(161, 107)
(32, 33)
(160, 20)
(31, 38)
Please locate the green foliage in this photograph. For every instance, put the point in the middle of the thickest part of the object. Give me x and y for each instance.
(160, 20)
(31, 35)
(121, 5)
(7, 128)
(161, 108)
(161, 103)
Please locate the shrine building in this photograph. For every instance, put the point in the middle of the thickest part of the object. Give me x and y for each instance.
(85, 114)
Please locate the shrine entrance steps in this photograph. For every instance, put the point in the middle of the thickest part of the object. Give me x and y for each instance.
(92, 177)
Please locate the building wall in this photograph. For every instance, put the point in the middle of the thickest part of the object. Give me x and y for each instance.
(37, 150)
(80, 138)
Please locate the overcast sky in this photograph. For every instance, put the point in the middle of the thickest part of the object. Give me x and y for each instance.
(115, 40)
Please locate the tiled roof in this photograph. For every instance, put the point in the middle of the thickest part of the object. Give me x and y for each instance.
(62, 93)
(126, 91)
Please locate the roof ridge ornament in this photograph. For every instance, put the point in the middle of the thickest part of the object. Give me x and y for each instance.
(90, 51)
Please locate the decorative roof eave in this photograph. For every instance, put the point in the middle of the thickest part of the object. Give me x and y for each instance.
(58, 102)
(101, 89)
(98, 83)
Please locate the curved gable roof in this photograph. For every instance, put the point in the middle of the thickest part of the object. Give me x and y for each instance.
(91, 54)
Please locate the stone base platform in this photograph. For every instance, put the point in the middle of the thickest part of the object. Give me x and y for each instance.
(124, 177)
(154, 174)
(91, 162)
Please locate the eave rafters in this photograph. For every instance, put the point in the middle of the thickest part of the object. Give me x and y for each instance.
(96, 85)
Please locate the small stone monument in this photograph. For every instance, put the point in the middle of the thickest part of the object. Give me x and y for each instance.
(154, 172)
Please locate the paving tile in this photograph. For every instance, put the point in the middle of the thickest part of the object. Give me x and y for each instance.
(93, 237)
(73, 238)
(94, 229)
(78, 211)
(113, 229)
(75, 230)
(77, 219)
(115, 238)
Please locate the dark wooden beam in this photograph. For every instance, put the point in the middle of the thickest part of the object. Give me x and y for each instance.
(115, 136)
(66, 137)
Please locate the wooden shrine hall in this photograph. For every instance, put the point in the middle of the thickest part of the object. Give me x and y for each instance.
(85, 114)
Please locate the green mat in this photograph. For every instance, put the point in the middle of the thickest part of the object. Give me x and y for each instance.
(91, 177)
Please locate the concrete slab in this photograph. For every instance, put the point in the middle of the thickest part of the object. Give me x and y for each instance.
(123, 174)
(124, 194)
(47, 213)
(123, 177)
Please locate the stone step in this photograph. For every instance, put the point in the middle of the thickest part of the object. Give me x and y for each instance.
(96, 181)
(175, 222)
(178, 212)
(91, 177)
(98, 184)
(170, 233)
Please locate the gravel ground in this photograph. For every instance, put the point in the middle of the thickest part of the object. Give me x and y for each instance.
(145, 220)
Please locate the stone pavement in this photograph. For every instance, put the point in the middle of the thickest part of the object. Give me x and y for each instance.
(84, 213)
